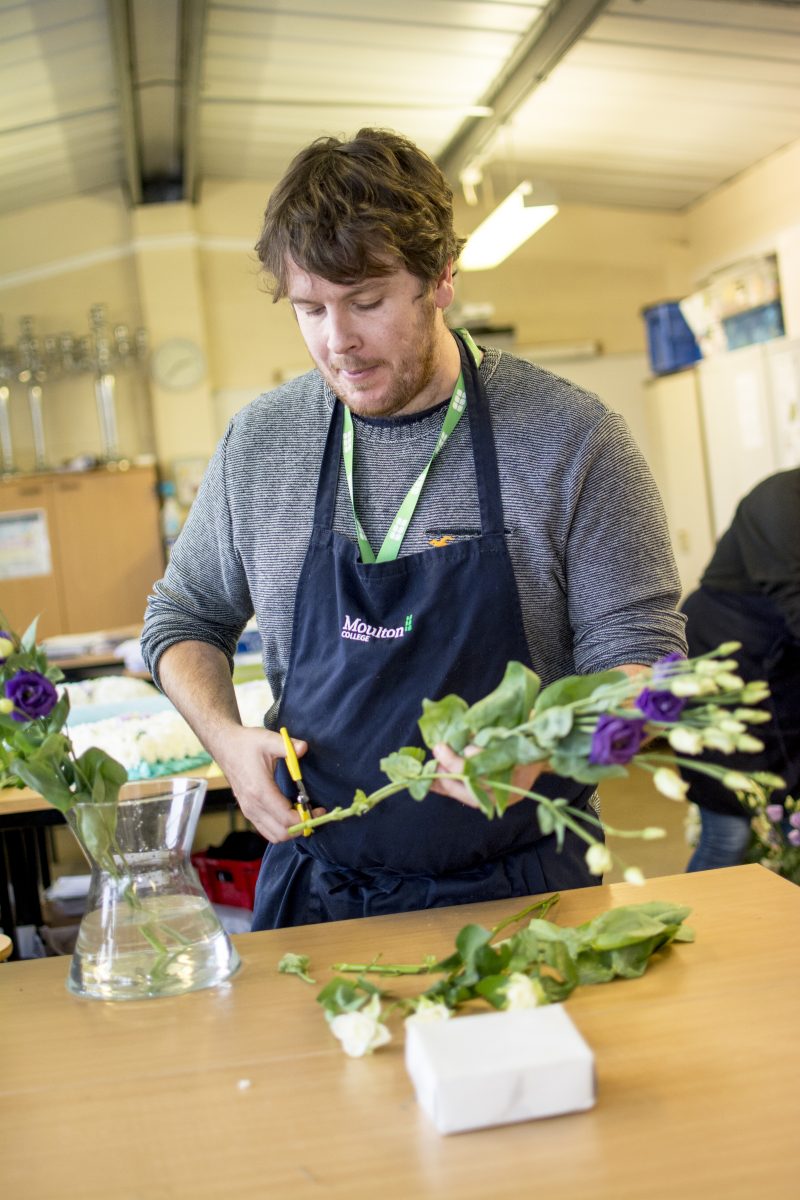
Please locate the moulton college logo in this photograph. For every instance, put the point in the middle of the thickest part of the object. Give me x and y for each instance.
(356, 630)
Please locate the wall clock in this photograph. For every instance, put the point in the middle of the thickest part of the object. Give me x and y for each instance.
(178, 364)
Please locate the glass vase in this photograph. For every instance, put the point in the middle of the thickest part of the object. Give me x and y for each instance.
(149, 928)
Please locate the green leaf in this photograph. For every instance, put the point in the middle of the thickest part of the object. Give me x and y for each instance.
(443, 721)
(623, 927)
(41, 776)
(342, 995)
(469, 940)
(103, 773)
(28, 639)
(552, 725)
(511, 701)
(96, 825)
(482, 798)
(493, 989)
(56, 718)
(573, 688)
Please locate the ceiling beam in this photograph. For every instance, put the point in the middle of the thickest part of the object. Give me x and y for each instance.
(122, 61)
(555, 31)
(193, 32)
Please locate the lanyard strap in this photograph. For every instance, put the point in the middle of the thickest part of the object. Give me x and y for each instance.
(394, 538)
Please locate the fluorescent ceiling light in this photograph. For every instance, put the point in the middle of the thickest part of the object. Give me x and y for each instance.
(504, 230)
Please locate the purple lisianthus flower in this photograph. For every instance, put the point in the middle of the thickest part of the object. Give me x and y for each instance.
(774, 812)
(794, 820)
(794, 837)
(660, 706)
(31, 694)
(615, 740)
(661, 666)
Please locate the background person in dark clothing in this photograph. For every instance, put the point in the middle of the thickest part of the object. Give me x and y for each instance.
(750, 593)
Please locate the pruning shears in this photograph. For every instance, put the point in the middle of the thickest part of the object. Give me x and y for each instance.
(302, 804)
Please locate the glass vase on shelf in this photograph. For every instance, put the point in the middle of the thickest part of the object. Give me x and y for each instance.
(149, 928)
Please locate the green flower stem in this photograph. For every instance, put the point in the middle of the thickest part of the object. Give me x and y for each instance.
(376, 968)
(359, 807)
(541, 907)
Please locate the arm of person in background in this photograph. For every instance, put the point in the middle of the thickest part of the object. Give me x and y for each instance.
(192, 625)
(766, 530)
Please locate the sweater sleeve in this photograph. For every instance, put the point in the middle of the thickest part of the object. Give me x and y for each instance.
(767, 531)
(203, 595)
(622, 582)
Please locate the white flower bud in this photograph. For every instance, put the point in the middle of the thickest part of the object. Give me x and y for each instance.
(652, 833)
(738, 782)
(6, 705)
(685, 740)
(715, 739)
(598, 858)
(523, 992)
(731, 683)
(670, 784)
(755, 692)
(753, 716)
(749, 744)
(360, 1032)
(729, 725)
(634, 875)
(6, 647)
(684, 685)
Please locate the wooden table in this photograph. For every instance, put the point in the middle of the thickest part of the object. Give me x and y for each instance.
(242, 1092)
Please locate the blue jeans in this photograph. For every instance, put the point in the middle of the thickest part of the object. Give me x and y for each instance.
(724, 839)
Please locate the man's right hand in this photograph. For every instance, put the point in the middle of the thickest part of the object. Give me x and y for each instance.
(248, 761)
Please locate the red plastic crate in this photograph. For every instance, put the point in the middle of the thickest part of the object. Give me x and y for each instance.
(228, 880)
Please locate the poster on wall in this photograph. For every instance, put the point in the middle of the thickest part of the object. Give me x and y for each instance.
(24, 544)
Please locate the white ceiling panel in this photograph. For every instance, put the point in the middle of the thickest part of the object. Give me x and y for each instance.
(656, 102)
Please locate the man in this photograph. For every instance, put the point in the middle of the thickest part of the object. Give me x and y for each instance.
(393, 551)
(750, 593)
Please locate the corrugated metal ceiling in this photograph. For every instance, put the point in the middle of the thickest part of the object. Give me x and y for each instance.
(646, 103)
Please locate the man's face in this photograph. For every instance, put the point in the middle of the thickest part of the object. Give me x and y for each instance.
(381, 344)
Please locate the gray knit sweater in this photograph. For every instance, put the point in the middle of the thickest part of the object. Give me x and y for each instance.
(585, 525)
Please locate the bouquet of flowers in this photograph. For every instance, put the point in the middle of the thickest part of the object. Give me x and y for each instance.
(587, 728)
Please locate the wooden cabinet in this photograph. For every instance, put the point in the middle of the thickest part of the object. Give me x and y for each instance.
(82, 550)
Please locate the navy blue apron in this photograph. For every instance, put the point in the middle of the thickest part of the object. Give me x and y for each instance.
(369, 642)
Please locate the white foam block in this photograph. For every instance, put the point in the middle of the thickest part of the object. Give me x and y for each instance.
(496, 1068)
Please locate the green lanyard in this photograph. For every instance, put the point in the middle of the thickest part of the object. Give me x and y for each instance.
(394, 538)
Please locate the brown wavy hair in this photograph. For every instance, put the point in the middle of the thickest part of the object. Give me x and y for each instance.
(348, 211)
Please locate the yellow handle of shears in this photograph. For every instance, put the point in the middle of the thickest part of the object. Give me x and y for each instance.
(291, 758)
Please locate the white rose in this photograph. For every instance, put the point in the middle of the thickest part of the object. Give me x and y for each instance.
(685, 740)
(523, 992)
(361, 1032)
(430, 1010)
(598, 859)
(670, 784)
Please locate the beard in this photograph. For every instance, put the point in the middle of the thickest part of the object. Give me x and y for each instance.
(409, 377)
